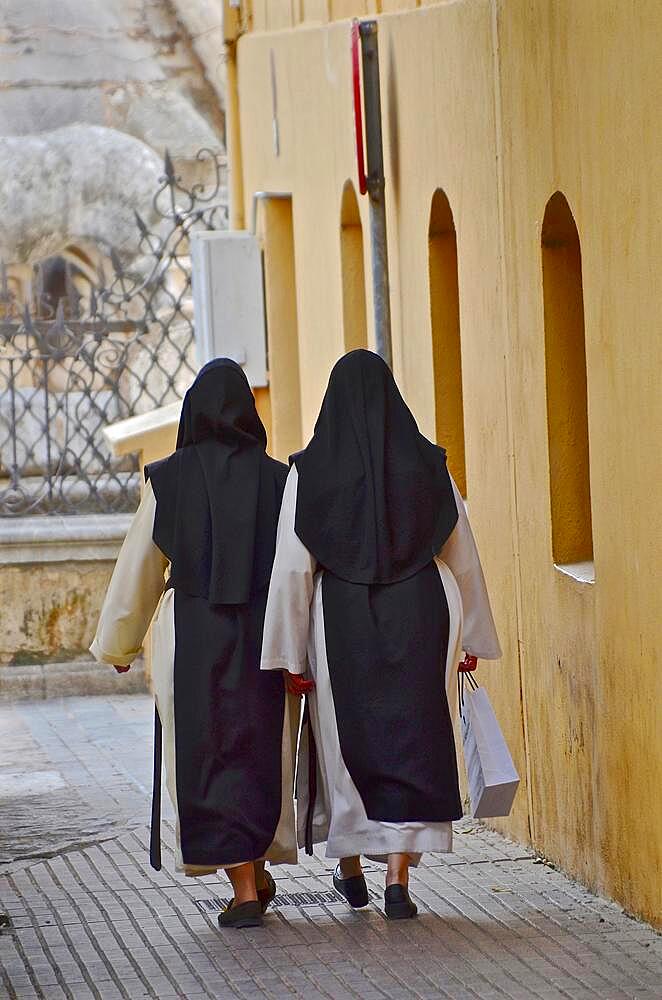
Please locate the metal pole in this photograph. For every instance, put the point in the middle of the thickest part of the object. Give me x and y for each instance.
(375, 158)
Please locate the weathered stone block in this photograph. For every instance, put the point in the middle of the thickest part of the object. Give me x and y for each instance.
(60, 680)
(50, 611)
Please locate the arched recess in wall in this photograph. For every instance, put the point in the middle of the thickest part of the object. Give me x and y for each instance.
(355, 324)
(283, 405)
(446, 350)
(567, 398)
(66, 277)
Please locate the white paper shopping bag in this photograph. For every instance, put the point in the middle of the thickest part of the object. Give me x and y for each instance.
(491, 774)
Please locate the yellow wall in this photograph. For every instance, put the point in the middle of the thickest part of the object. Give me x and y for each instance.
(499, 105)
(279, 406)
(352, 263)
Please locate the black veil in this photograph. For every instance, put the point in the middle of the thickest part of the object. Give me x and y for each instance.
(375, 501)
(219, 492)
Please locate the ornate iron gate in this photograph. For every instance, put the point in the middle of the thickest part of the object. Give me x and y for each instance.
(78, 355)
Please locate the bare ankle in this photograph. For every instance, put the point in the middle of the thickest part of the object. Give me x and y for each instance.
(260, 878)
(351, 867)
(242, 878)
(397, 872)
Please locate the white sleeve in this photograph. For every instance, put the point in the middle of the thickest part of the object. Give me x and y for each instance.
(287, 618)
(479, 636)
(134, 590)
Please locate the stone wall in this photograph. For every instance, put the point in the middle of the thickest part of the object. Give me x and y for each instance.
(50, 610)
(53, 574)
(126, 65)
(92, 94)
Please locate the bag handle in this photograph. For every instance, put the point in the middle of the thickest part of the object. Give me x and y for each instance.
(473, 684)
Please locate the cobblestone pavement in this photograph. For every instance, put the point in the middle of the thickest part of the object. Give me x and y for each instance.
(87, 917)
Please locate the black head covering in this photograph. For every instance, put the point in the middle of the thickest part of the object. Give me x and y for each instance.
(375, 502)
(218, 495)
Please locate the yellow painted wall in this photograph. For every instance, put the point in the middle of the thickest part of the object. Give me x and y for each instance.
(279, 405)
(578, 112)
(352, 264)
(499, 105)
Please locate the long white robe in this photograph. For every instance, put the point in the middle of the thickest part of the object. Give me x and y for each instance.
(294, 640)
(137, 596)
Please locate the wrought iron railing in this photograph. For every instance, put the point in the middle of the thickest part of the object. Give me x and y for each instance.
(78, 355)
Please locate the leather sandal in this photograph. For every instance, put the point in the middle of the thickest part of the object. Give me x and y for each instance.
(268, 893)
(239, 915)
(354, 888)
(399, 904)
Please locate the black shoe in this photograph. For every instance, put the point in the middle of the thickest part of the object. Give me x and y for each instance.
(242, 914)
(353, 888)
(268, 894)
(399, 904)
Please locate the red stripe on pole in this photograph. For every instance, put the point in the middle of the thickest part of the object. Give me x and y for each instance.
(358, 113)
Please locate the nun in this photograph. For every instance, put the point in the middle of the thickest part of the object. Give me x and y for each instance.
(196, 563)
(376, 589)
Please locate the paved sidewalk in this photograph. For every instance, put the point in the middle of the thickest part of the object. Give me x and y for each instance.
(87, 916)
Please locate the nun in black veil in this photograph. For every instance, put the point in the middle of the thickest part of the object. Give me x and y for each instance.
(197, 560)
(376, 588)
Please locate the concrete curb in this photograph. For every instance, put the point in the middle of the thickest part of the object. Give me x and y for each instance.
(58, 680)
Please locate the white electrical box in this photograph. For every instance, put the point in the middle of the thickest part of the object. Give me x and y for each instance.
(228, 301)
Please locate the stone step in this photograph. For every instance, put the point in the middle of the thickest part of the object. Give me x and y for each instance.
(36, 681)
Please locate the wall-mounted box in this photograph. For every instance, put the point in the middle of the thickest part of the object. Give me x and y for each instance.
(228, 300)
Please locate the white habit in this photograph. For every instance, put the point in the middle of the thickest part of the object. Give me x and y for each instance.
(294, 640)
(137, 596)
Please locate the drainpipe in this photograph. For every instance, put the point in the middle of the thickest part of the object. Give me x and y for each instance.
(232, 30)
(375, 185)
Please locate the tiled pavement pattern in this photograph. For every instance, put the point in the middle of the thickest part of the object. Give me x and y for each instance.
(89, 918)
